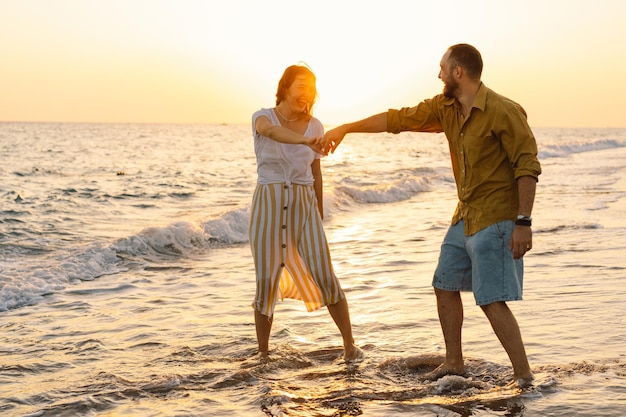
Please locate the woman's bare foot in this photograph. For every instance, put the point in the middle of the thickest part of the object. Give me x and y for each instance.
(260, 358)
(263, 356)
(352, 354)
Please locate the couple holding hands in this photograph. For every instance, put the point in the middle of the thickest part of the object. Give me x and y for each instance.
(494, 161)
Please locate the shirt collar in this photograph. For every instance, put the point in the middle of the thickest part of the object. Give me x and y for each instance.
(481, 97)
(479, 101)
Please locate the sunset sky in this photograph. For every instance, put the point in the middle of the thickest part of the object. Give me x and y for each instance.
(219, 61)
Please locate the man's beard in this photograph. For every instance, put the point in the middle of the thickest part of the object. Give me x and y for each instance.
(450, 88)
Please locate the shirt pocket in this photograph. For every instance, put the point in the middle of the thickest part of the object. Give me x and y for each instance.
(483, 154)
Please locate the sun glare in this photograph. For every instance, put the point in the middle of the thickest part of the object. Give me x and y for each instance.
(112, 61)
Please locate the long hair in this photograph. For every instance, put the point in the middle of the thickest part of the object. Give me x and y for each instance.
(289, 76)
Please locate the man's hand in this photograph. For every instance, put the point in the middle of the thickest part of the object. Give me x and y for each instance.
(333, 138)
(521, 241)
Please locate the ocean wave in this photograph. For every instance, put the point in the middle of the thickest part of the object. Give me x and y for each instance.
(184, 238)
(229, 228)
(392, 192)
(26, 282)
(569, 228)
(556, 150)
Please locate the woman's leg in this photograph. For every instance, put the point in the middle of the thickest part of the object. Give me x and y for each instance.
(341, 315)
(263, 325)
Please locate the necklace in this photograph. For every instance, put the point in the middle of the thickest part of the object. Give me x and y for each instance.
(287, 120)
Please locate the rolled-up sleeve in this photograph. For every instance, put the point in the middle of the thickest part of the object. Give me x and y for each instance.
(529, 166)
(420, 118)
(520, 144)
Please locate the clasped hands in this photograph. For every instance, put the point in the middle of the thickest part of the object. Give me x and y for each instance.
(327, 143)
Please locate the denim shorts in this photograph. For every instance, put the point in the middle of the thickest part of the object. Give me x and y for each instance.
(482, 263)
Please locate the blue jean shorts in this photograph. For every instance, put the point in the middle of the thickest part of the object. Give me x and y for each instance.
(482, 263)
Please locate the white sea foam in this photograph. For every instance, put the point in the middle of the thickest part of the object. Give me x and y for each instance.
(578, 146)
(386, 193)
(230, 227)
(26, 281)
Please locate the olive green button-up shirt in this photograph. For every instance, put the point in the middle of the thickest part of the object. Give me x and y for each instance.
(490, 150)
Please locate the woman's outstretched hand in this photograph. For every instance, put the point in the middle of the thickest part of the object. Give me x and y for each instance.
(318, 145)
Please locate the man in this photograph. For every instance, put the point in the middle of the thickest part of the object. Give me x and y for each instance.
(494, 160)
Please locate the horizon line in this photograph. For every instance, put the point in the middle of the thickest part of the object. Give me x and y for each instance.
(245, 123)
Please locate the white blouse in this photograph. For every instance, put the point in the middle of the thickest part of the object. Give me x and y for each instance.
(284, 162)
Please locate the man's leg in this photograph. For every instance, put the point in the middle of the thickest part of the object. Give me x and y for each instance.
(450, 309)
(506, 328)
(454, 274)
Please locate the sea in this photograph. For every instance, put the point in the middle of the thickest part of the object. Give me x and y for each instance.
(126, 280)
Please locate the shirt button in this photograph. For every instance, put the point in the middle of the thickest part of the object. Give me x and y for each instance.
(286, 186)
(285, 208)
(282, 265)
(284, 246)
(284, 226)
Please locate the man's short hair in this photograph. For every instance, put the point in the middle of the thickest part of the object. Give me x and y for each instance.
(467, 57)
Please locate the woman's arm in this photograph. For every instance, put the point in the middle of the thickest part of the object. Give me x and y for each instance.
(318, 185)
(284, 135)
(280, 133)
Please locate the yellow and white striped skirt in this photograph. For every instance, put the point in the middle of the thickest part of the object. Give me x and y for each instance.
(290, 250)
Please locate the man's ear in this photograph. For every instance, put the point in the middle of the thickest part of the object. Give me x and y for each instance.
(458, 71)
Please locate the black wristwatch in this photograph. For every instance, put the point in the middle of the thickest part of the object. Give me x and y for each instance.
(524, 220)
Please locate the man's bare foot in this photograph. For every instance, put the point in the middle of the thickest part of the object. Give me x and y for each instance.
(424, 362)
(522, 382)
(352, 354)
(444, 370)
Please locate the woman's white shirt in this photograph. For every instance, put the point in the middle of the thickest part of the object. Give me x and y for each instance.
(284, 162)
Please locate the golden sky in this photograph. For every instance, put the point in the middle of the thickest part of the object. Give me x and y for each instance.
(217, 61)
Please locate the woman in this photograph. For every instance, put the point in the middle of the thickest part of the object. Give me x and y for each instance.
(288, 243)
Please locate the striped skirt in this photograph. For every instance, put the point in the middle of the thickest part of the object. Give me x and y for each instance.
(290, 249)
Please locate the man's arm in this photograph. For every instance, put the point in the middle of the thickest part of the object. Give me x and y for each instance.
(526, 187)
(522, 238)
(373, 124)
